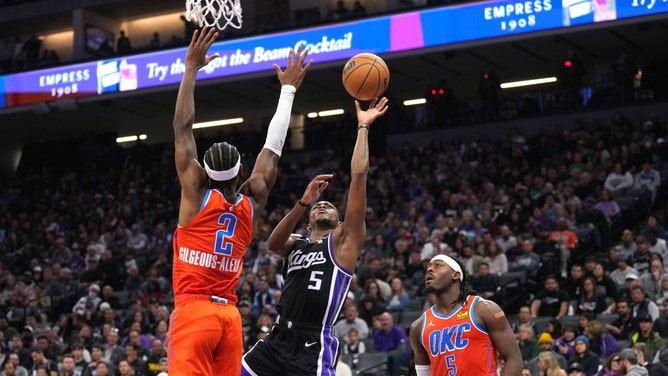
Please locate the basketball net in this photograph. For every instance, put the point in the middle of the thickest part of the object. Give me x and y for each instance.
(214, 13)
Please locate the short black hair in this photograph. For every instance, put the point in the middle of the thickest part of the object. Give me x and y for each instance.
(639, 288)
(68, 355)
(588, 315)
(76, 346)
(624, 299)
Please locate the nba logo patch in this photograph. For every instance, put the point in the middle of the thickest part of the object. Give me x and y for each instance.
(462, 315)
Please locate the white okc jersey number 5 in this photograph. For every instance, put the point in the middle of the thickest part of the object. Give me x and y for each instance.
(316, 280)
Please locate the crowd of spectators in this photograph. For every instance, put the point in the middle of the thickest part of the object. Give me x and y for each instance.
(86, 246)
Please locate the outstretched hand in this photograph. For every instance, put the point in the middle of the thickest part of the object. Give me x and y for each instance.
(295, 70)
(201, 41)
(377, 108)
(315, 188)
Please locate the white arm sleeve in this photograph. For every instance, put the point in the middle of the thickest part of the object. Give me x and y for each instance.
(278, 127)
(423, 370)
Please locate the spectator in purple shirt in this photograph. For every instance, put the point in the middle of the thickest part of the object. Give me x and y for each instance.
(607, 204)
(392, 340)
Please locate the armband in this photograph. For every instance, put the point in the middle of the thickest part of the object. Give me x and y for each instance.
(423, 369)
(300, 203)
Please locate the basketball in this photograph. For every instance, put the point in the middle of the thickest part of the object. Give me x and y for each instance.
(365, 76)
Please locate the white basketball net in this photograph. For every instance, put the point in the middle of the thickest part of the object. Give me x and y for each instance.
(218, 13)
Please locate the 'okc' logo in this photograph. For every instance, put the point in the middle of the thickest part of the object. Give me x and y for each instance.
(448, 339)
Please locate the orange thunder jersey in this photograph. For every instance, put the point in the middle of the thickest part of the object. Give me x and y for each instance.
(456, 344)
(209, 251)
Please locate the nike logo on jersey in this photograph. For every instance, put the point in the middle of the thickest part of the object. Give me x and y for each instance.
(309, 344)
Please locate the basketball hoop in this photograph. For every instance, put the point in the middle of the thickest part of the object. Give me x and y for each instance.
(214, 13)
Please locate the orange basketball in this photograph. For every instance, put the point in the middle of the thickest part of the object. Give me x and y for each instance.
(365, 76)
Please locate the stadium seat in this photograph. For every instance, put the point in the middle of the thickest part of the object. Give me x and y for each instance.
(643, 201)
(368, 344)
(416, 304)
(572, 320)
(541, 324)
(625, 202)
(396, 317)
(607, 318)
(374, 363)
(407, 318)
(585, 245)
(123, 298)
(623, 343)
(347, 359)
(512, 291)
(512, 279)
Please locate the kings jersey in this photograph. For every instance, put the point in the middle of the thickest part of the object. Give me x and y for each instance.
(316, 286)
(457, 344)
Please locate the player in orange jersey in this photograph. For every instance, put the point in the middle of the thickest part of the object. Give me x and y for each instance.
(216, 219)
(462, 333)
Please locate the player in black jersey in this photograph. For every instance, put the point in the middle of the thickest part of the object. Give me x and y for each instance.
(317, 271)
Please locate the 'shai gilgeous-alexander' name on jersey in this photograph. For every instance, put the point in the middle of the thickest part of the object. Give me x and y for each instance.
(209, 260)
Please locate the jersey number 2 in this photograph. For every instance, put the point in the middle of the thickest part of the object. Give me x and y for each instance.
(223, 245)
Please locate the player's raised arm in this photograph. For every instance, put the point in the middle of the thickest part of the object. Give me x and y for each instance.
(350, 236)
(263, 177)
(191, 175)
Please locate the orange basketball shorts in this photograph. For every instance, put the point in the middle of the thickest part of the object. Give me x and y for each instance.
(205, 338)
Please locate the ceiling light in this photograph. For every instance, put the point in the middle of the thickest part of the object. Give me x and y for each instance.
(313, 115)
(536, 81)
(218, 123)
(338, 111)
(414, 102)
(120, 140)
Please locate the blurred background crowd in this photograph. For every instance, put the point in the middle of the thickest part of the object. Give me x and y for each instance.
(562, 225)
(558, 227)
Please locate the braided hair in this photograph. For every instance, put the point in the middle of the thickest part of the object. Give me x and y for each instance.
(465, 288)
(222, 156)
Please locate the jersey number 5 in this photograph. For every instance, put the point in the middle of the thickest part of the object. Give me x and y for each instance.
(450, 365)
(223, 245)
(316, 278)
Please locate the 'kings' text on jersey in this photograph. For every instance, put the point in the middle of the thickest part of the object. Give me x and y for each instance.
(315, 284)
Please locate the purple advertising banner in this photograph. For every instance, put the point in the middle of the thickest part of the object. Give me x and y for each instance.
(50, 84)
(406, 31)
